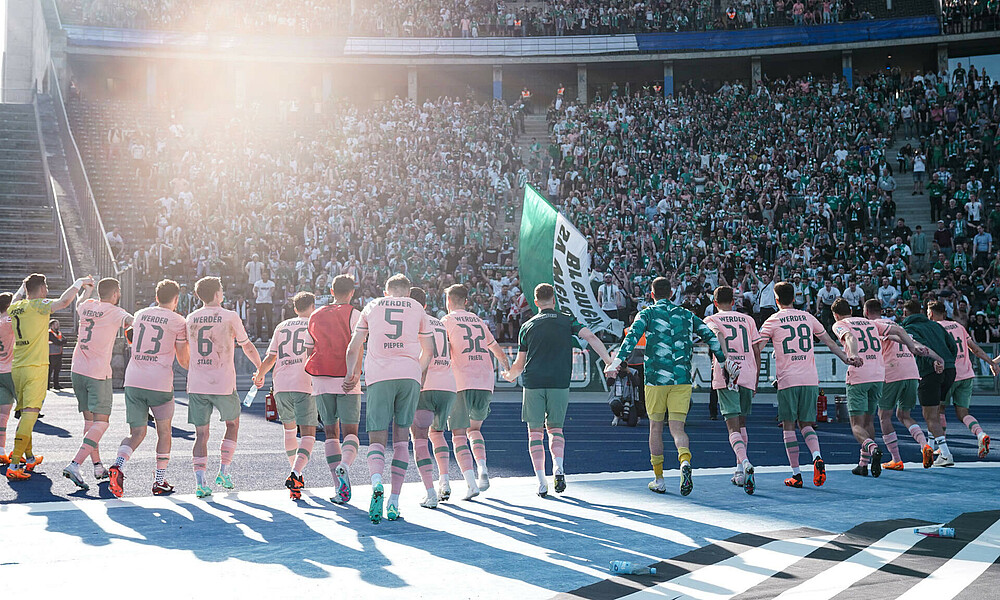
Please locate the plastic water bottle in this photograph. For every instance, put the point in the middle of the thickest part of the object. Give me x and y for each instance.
(251, 395)
(624, 567)
(935, 531)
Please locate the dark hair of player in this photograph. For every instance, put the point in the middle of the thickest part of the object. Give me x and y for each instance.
(419, 295)
(544, 292)
(873, 307)
(458, 293)
(33, 283)
(841, 307)
(912, 307)
(398, 283)
(342, 285)
(166, 291)
(661, 288)
(937, 308)
(206, 288)
(107, 287)
(303, 301)
(5, 300)
(784, 292)
(723, 295)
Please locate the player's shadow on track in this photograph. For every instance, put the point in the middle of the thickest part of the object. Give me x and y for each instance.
(44, 428)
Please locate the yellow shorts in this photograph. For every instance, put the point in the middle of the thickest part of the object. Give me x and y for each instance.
(30, 385)
(672, 401)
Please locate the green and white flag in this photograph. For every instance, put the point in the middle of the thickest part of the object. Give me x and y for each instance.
(553, 251)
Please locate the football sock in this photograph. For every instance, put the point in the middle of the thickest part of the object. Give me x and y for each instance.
(4, 415)
(350, 449)
(124, 453)
(162, 460)
(400, 462)
(422, 455)
(557, 448)
(918, 435)
(866, 457)
(442, 455)
(200, 464)
(90, 441)
(812, 441)
(792, 450)
(291, 445)
(478, 448)
(942, 444)
(333, 455)
(306, 444)
(892, 443)
(739, 447)
(973, 425)
(226, 450)
(376, 462)
(462, 454)
(657, 462)
(537, 450)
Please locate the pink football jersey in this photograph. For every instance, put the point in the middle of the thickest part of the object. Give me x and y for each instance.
(97, 330)
(156, 333)
(900, 364)
(471, 361)
(290, 345)
(439, 374)
(394, 326)
(212, 331)
(793, 334)
(870, 336)
(6, 343)
(963, 362)
(737, 333)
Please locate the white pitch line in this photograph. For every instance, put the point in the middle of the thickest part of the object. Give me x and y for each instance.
(964, 568)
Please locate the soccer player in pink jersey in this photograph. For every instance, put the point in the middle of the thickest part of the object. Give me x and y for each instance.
(960, 392)
(100, 321)
(400, 349)
(212, 378)
(472, 343)
(437, 395)
(330, 330)
(740, 341)
(7, 393)
(158, 335)
(792, 332)
(293, 392)
(899, 393)
(864, 383)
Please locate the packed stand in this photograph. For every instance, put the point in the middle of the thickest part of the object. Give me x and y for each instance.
(804, 191)
(969, 16)
(280, 207)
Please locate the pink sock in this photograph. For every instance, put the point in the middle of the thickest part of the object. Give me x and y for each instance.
(792, 449)
(973, 425)
(162, 460)
(350, 449)
(944, 420)
(291, 445)
(739, 447)
(400, 462)
(227, 450)
(95, 452)
(376, 460)
(866, 458)
(124, 453)
(557, 443)
(4, 415)
(869, 446)
(462, 454)
(305, 449)
(442, 455)
(811, 440)
(333, 455)
(478, 445)
(90, 441)
(918, 435)
(200, 464)
(537, 450)
(422, 453)
(746, 438)
(892, 443)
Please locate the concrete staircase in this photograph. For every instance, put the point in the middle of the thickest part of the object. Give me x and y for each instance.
(916, 210)
(535, 128)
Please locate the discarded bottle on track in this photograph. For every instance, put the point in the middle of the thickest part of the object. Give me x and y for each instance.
(935, 531)
(624, 567)
(251, 395)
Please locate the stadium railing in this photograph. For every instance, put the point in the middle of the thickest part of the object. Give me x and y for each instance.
(96, 234)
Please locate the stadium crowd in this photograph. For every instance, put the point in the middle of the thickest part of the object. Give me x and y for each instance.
(478, 18)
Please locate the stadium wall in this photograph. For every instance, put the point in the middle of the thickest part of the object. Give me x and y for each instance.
(26, 51)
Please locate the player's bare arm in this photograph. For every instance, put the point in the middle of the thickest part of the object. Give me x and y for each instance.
(851, 356)
(265, 366)
(517, 368)
(596, 344)
(183, 353)
(497, 350)
(354, 354)
(976, 350)
(251, 352)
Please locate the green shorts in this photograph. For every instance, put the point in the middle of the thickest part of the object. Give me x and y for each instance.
(440, 403)
(92, 395)
(735, 404)
(296, 407)
(470, 405)
(798, 404)
(899, 394)
(6, 389)
(200, 408)
(960, 394)
(342, 408)
(138, 401)
(863, 398)
(393, 400)
(545, 406)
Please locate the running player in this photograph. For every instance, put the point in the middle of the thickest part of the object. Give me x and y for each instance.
(960, 392)
(437, 395)
(100, 321)
(30, 312)
(669, 348)
(471, 345)
(6, 381)
(740, 338)
(400, 349)
(158, 335)
(330, 329)
(899, 393)
(212, 378)
(293, 393)
(545, 356)
(936, 377)
(866, 337)
(791, 332)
